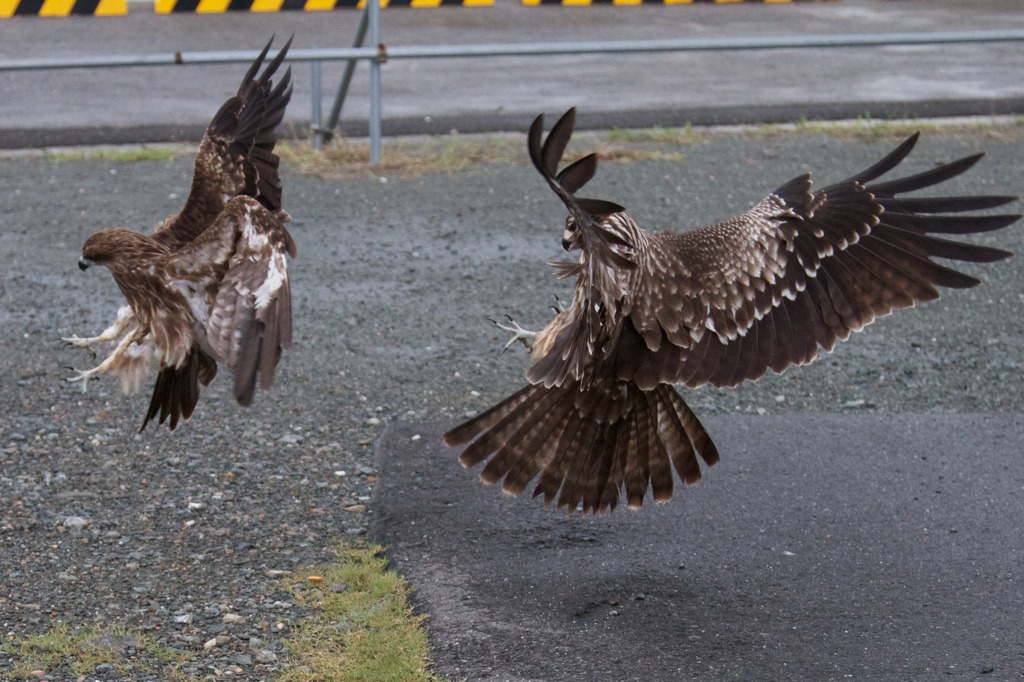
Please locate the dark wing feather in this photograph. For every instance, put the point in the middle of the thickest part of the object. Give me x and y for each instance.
(236, 155)
(240, 263)
(799, 271)
(546, 157)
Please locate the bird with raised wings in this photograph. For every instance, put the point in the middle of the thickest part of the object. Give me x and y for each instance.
(210, 285)
(720, 304)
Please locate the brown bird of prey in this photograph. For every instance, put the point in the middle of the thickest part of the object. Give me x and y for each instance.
(721, 304)
(210, 285)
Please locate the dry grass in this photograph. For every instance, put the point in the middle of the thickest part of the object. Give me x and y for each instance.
(456, 152)
(447, 154)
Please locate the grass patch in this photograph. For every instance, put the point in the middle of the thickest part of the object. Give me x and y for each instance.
(459, 152)
(118, 154)
(60, 650)
(658, 134)
(412, 155)
(870, 129)
(360, 625)
(448, 154)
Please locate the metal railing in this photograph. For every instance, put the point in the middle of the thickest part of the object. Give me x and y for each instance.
(378, 53)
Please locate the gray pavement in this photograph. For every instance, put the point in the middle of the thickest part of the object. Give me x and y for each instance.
(484, 94)
(821, 547)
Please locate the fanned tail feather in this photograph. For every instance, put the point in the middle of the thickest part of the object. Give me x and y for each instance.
(588, 447)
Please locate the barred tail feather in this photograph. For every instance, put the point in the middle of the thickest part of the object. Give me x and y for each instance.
(587, 447)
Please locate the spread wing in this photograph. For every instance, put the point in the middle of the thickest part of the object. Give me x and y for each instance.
(800, 270)
(238, 272)
(236, 155)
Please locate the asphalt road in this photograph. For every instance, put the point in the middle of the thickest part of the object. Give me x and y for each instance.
(485, 94)
(822, 547)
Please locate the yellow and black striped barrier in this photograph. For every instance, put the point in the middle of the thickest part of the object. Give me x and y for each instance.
(62, 8)
(107, 8)
(585, 3)
(218, 6)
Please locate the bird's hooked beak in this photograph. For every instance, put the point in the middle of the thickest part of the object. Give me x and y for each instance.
(84, 263)
(566, 244)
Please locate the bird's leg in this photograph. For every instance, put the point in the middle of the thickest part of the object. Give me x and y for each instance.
(111, 333)
(518, 334)
(559, 306)
(84, 375)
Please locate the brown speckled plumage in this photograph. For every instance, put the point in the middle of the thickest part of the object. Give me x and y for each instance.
(210, 285)
(721, 304)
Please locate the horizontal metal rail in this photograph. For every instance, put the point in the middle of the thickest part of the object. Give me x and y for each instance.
(382, 53)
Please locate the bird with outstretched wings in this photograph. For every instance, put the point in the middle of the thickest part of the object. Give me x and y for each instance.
(720, 304)
(210, 285)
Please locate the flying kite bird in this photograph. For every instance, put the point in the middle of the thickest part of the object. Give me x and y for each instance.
(210, 285)
(721, 304)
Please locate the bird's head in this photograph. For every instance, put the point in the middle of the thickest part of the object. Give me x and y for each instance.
(571, 237)
(116, 247)
(588, 219)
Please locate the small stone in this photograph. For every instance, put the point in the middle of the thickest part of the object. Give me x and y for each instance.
(373, 421)
(184, 619)
(210, 643)
(231, 618)
(74, 522)
(265, 656)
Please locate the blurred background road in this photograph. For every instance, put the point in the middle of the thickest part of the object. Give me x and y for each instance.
(503, 93)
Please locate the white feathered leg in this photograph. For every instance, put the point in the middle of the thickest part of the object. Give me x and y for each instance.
(125, 318)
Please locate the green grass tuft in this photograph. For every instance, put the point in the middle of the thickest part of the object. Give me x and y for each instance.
(361, 626)
(119, 154)
(63, 650)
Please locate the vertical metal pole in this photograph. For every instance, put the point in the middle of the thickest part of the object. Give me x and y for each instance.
(346, 78)
(315, 115)
(373, 7)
